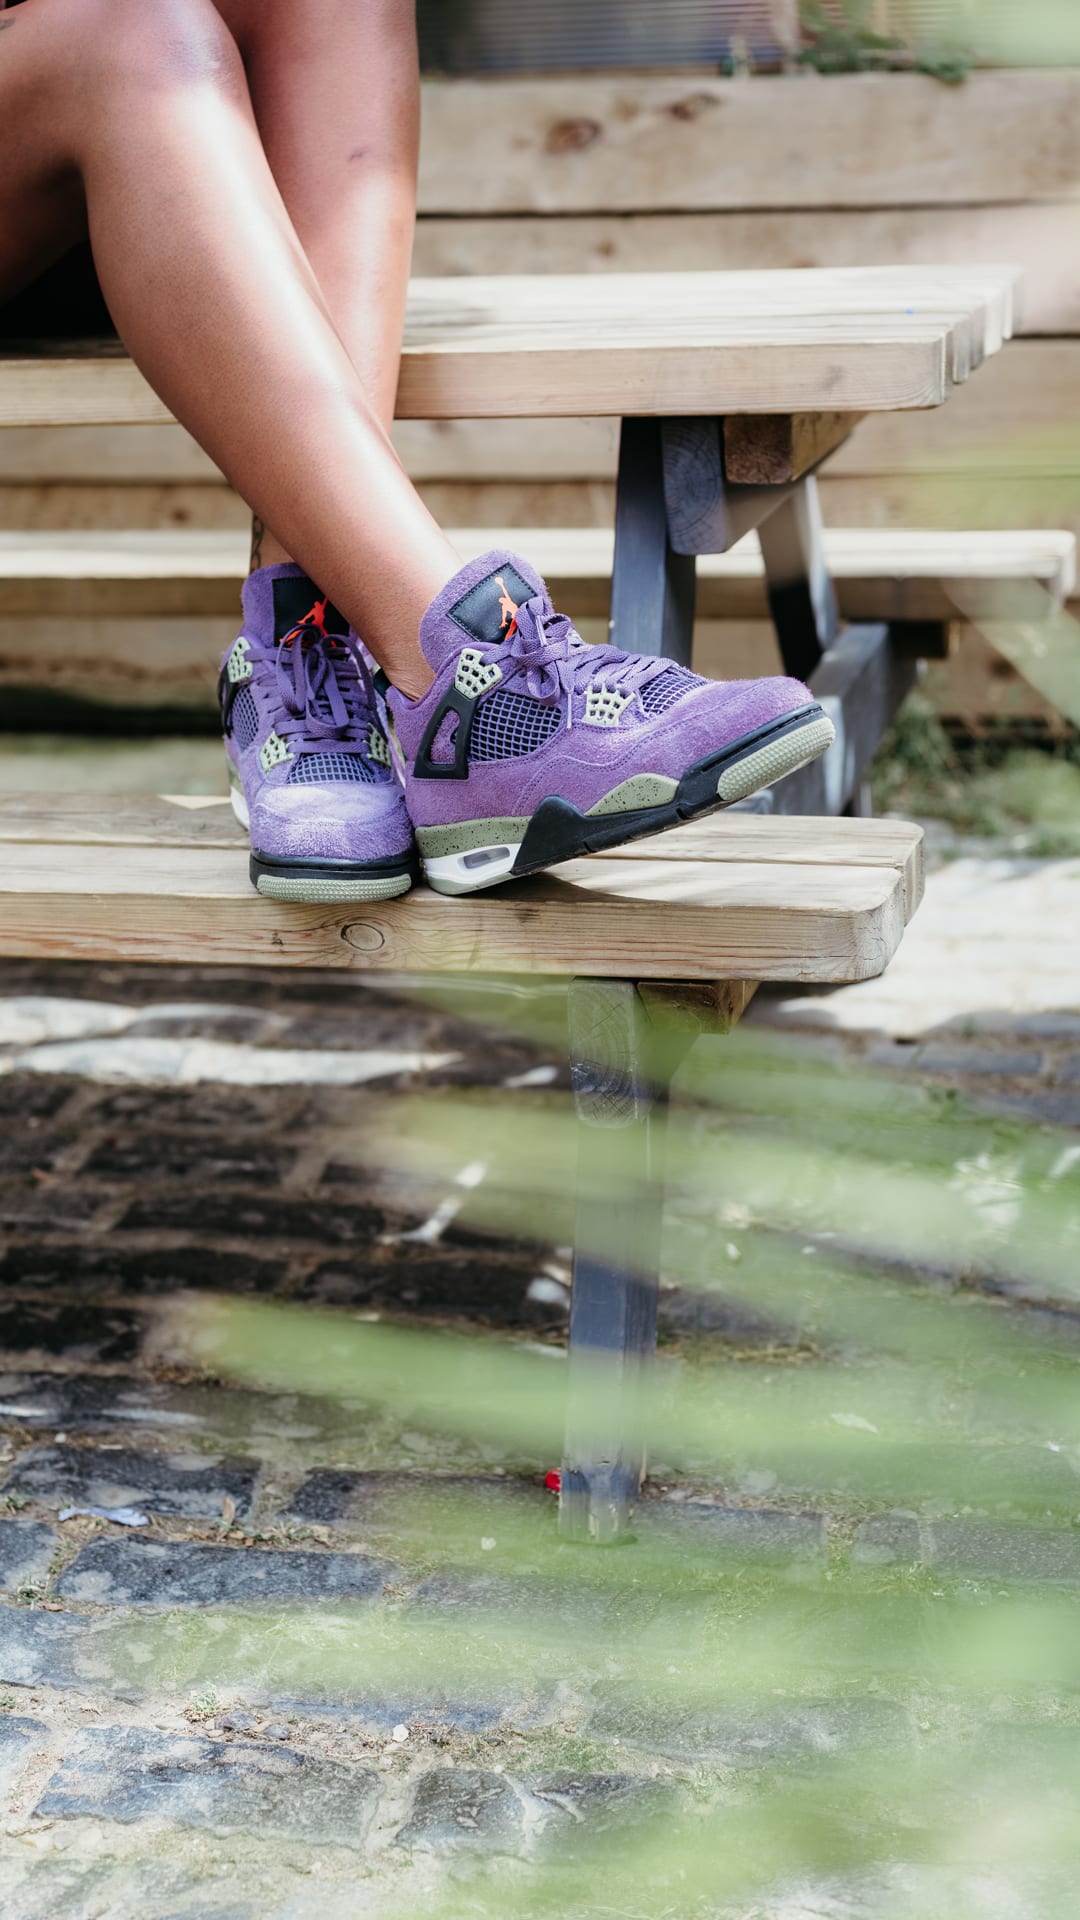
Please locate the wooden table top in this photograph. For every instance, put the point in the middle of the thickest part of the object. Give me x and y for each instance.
(858, 340)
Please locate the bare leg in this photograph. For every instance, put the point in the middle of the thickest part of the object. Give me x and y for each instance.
(351, 72)
(210, 289)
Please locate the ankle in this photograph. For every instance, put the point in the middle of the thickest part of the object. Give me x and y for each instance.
(412, 680)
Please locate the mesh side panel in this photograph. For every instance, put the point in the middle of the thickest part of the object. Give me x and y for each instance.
(316, 769)
(662, 693)
(245, 718)
(442, 747)
(506, 725)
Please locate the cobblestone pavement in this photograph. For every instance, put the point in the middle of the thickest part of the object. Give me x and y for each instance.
(176, 1132)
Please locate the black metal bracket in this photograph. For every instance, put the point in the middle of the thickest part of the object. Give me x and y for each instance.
(653, 587)
(621, 1072)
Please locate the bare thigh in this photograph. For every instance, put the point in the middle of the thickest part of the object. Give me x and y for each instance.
(42, 210)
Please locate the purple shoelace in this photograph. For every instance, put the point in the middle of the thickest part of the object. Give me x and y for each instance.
(550, 659)
(320, 700)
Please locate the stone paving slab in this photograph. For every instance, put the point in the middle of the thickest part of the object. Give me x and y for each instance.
(188, 1486)
(745, 1734)
(144, 1573)
(18, 1739)
(265, 1220)
(26, 1552)
(746, 1533)
(130, 1773)
(132, 1404)
(25, 1208)
(406, 1503)
(490, 1292)
(87, 1334)
(1049, 1106)
(113, 1655)
(973, 1549)
(60, 1650)
(190, 1159)
(82, 1268)
(473, 1809)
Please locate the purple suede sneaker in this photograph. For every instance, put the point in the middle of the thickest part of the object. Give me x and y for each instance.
(531, 747)
(309, 762)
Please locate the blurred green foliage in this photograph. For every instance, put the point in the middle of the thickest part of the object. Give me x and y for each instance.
(871, 1724)
(985, 787)
(845, 38)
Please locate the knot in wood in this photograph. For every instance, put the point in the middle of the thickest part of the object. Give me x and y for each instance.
(569, 136)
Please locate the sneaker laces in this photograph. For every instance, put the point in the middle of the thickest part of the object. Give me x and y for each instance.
(321, 697)
(551, 659)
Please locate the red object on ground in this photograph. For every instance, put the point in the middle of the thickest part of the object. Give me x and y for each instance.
(553, 1481)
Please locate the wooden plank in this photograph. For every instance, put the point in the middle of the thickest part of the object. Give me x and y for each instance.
(903, 366)
(118, 662)
(199, 821)
(696, 1006)
(634, 918)
(674, 143)
(170, 573)
(946, 500)
(843, 340)
(1041, 238)
(1015, 417)
(769, 449)
(814, 840)
(149, 820)
(883, 573)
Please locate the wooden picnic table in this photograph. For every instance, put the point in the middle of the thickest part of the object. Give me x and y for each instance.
(732, 389)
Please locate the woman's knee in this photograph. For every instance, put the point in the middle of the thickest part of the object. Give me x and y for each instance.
(131, 43)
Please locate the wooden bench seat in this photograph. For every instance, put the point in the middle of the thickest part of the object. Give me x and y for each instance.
(727, 898)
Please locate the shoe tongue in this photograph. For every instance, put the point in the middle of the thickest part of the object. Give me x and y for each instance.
(478, 604)
(297, 603)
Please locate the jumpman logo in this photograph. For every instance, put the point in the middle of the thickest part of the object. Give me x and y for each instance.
(507, 607)
(315, 618)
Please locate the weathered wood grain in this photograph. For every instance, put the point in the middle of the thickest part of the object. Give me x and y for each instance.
(766, 450)
(630, 143)
(1016, 416)
(198, 822)
(847, 341)
(634, 918)
(1043, 239)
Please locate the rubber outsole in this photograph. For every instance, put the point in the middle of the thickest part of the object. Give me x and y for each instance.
(336, 892)
(338, 881)
(558, 831)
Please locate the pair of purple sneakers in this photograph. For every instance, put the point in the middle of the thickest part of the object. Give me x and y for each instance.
(529, 747)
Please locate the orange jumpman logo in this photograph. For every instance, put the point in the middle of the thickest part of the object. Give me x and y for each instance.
(317, 616)
(508, 608)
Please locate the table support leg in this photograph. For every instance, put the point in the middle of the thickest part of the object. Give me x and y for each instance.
(801, 596)
(652, 587)
(621, 1091)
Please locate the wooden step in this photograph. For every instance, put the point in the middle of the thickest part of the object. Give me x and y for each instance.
(881, 573)
(735, 898)
(837, 340)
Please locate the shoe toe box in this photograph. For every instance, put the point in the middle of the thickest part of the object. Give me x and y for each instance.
(332, 822)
